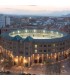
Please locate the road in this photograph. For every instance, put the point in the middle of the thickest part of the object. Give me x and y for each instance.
(38, 69)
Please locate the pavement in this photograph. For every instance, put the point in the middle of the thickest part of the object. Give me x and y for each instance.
(38, 69)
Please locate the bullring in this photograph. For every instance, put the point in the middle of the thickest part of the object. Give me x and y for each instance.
(32, 46)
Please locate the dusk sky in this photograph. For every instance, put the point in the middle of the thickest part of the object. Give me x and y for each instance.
(33, 6)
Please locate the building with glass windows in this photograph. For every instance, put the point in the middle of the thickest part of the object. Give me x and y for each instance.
(31, 46)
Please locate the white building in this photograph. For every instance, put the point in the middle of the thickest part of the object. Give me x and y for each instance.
(4, 21)
(7, 21)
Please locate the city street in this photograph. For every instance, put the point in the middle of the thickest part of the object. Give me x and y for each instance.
(38, 69)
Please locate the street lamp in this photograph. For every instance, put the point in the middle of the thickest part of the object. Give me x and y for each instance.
(2, 69)
(55, 55)
(34, 30)
(25, 61)
(26, 30)
(13, 32)
(51, 32)
(16, 60)
(43, 31)
(2, 60)
(42, 67)
(18, 32)
(63, 66)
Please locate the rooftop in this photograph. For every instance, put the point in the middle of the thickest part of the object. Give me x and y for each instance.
(34, 35)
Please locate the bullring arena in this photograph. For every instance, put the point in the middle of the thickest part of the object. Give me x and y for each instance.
(32, 46)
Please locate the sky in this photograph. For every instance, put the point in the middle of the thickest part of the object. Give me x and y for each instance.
(33, 6)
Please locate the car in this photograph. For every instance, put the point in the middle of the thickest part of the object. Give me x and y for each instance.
(22, 74)
(28, 74)
(8, 72)
(63, 71)
(33, 74)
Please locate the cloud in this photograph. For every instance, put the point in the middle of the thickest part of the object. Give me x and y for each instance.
(31, 5)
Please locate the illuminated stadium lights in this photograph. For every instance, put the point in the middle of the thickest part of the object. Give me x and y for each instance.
(61, 35)
(34, 30)
(52, 32)
(43, 31)
(26, 30)
(18, 32)
(56, 32)
(13, 32)
(36, 34)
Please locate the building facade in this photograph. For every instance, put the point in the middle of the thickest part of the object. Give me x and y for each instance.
(4, 20)
(7, 20)
(32, 50)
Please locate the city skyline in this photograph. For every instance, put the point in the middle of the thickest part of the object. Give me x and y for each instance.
(35, 37)
(33, 10)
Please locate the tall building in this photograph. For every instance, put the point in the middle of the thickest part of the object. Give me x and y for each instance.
(7, 19)
(4, 20)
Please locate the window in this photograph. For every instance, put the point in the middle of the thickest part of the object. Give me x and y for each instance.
(44, 45)
(53, 45)
(49, 50)
(60, 43)
(21, 41)
(49, 45)
(35, 51)
(26, 53)
(21, 52)
(35, 45)
(60, 48)
(40, 50)
(57, 44)
(40, 45)
(26, 48)
(63, 48)
(44, 50)
(53, 50)
(63, 43)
